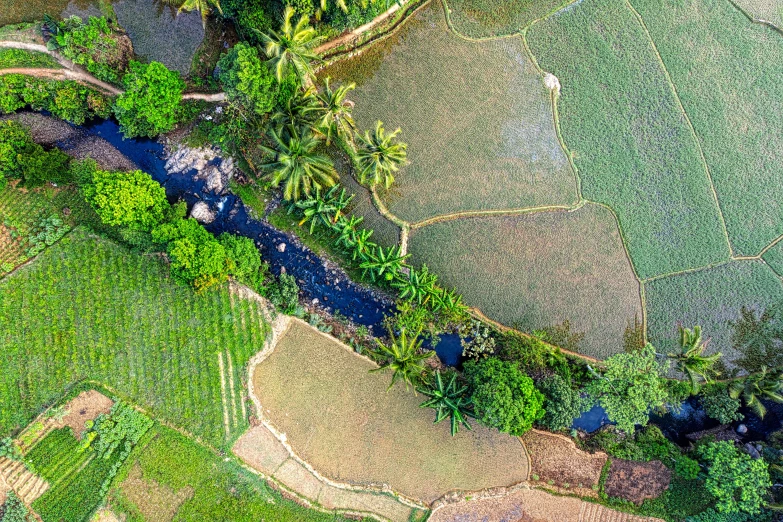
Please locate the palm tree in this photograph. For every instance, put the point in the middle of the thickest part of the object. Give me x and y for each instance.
(766, 384)
(326, 209)
(386, 262)
(691, 361)
(297, 165)
(298, 110)
(202, 6)
(403, 358)
(380, 156)
(291, 46)
(335, 112)
(448, 401)
(418, 286)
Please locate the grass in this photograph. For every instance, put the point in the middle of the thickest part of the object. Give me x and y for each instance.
(553, 266)
(734, 99)
(89, 308)
(10, 58)
(768, 10)
(484, 18)
(342, 420)
(476, 116)
(774, 258)
(710, 298)
(634, 149)
(208, 487)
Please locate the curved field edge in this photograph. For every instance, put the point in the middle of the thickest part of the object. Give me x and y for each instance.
(730, 87)
(711, 298)
(477, 118)
(631, 142)
(487, 19)
(342, 421)
(89, 308)
(555, 266)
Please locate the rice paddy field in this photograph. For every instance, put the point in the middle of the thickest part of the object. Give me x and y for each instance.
(90, 309)
(340, 418)
(486, 18)
(770, 11)
(479, 129)
(554, 266)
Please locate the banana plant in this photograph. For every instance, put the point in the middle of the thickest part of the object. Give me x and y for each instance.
(325, 210)
(447, 301)
(448, 401)
(766, 384)
(363, 247)
(418, 286)
(348, 228)
(383, 263)
(403, 357)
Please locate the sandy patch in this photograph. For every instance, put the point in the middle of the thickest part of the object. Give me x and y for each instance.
(85, 406)
(105, 515)
(636, 481)
(556, 458)
(158, 503)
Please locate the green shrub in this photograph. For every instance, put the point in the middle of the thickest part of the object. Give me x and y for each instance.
(711, 515)
(9, 449)
(14, 510)
(284, 293)
(302, 7)
(247, 79)
(738, 482)
(20, 157)
(719, 405)
(150, 104)
(503, 397)
(94, 45)
(245, 261)
(562, 404)
(65, 99)
(129, 199)
(533, 356)
(687, 468)
(250, 17)
(13, 140)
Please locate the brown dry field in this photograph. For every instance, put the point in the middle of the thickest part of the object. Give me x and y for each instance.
(157, 503)
(636, 481)
(341, 419)
(555, 457)
(554, 266)
(85, 406)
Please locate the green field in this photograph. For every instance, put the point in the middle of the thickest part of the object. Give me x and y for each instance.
(539, 270)
(768, 10)
(633, 146)
(347, 423)
(477, 118)
(774, 258)
(484, 18)
(88, 308)
(710, 298)
(734, 99)
(171, 475)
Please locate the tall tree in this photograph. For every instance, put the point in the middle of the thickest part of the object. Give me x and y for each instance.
(691, 360)
(403, 357)
(291, 46)
(335, 112)
(766, 384)
(297, 165)
(380, 156)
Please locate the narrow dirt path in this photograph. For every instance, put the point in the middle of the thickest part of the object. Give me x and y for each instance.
(356, 33)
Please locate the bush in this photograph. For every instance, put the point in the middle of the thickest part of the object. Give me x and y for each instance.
(687, 468)
(720, 406)
(504, 397)
(245, 261)
(738, 482)
(284, 293)
(129, 199)
(65, 99)
(247, 79)
(13, 510)
(562, 404)
(13, 140)
(20, 157)
(150, 104)
(93, 45)
(534, 357)
(249, 16)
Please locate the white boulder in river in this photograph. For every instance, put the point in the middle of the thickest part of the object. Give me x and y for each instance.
(202, 213)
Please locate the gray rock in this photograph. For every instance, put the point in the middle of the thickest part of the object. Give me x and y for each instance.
(752, 451)
(202, 213)
(281, 247)
(215, 180)
(742, 429)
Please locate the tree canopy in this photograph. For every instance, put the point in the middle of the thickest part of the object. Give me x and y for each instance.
(247, 79)
(150, 103)
(738, 481)
(129, 199)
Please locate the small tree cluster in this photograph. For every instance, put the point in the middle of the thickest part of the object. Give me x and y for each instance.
(22, 158)
(248, 80)
(150, 104)
(65, 99)
(738, 482)
(126, 199)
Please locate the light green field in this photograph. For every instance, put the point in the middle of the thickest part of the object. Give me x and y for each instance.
(768, 10)
(710, 298)
(774, 258)
(484, 18)
(476, 116)
(633, 146)
(346, 423)
(539, 270)
(731, 89)
(88, 308)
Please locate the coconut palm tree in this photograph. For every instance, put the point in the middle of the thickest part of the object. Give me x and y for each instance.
(334, 112)
(299, 110)
(448, 401)
(419, 286)
(297, 165)
(291, 46)
(202, 6)
(383, 262)
(691, 359)
(403, 358)
(766, 384)
(380, 156)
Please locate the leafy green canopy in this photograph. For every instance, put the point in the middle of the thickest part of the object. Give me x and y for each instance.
(503, 397)
(93, 45)
(739, 482)
(129, 199)
(21, 157)
(247, 79)
(631, 385)
(150, 103)
(563, 403)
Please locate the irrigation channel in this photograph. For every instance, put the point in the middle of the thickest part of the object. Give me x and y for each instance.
(337, 293)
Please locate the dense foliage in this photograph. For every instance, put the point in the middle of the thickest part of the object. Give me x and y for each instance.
(65, 99)
(631, 385)
(719, 405)
(21, 157)
(247, 79)
(128, 199)
(449, 401)
(738, 481)
(504, 397)
(562, 403)
(98, 45)
(14, 510)
(150, 104)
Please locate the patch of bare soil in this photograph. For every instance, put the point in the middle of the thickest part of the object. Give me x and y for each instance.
(85, 406)
(636, 481)
(105, 515)
(157, 503)
(555, 458)
(4, 489)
